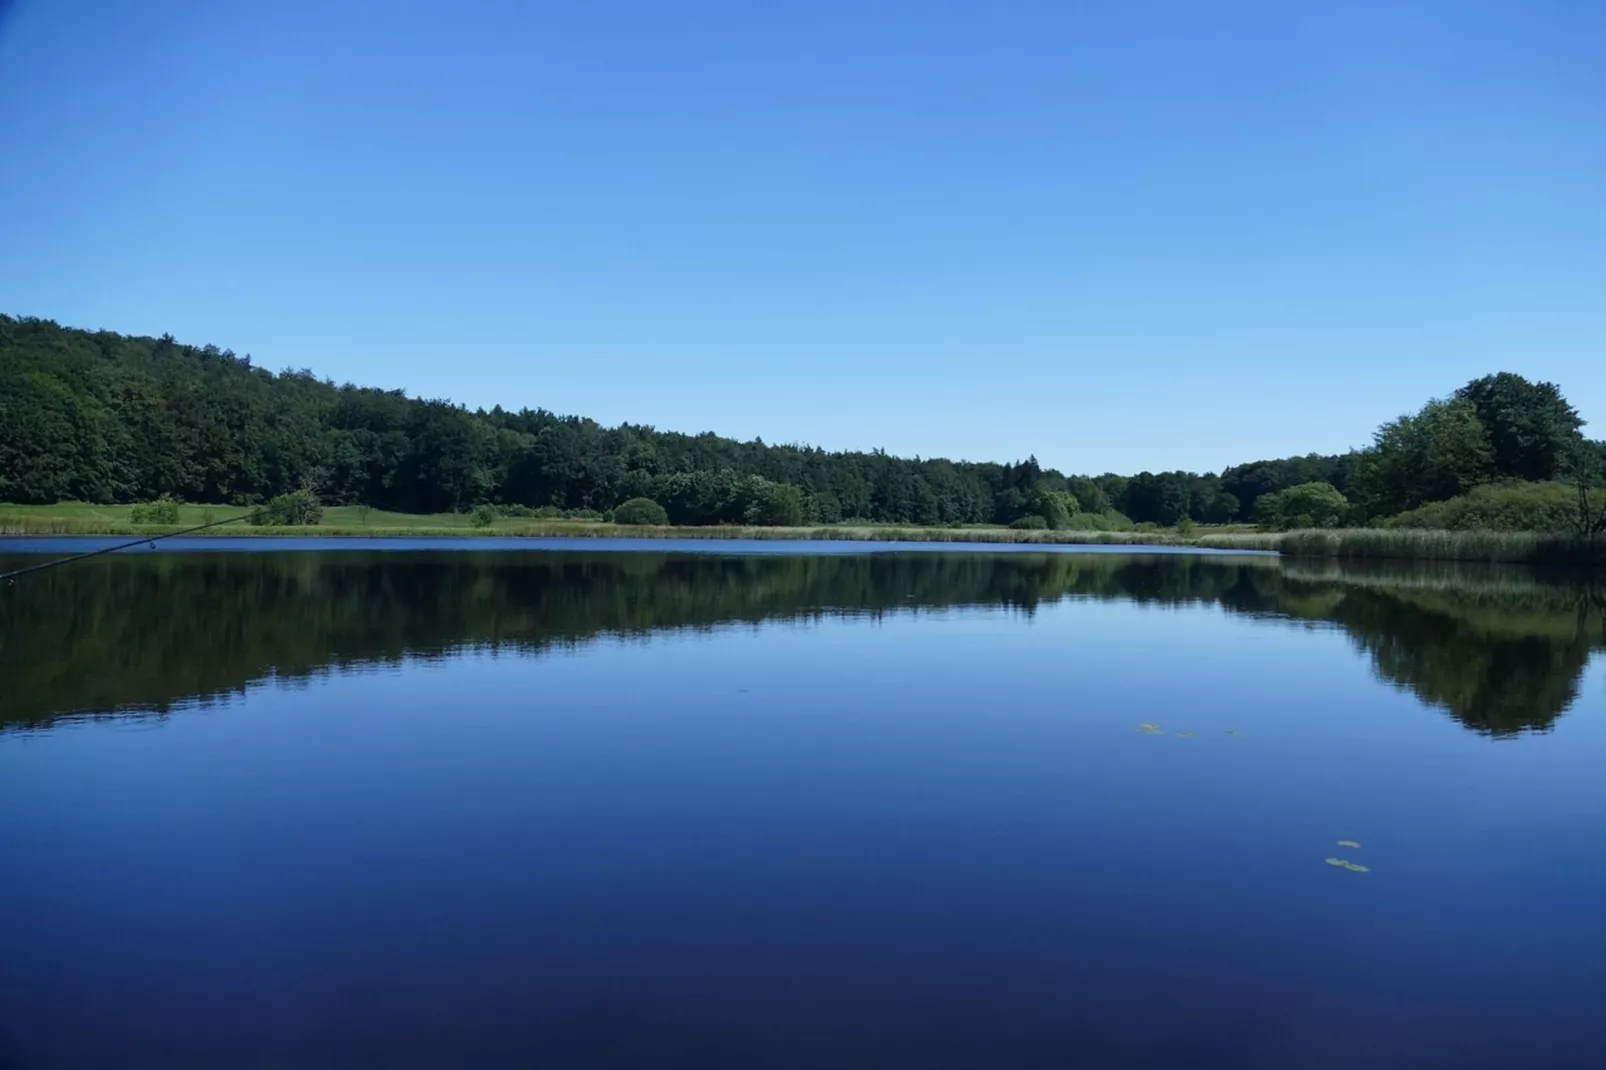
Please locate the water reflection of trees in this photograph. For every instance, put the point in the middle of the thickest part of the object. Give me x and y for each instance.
(1503, 652)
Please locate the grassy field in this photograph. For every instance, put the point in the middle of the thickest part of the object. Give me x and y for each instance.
(86, 518)
(79, 518)
(82, 518)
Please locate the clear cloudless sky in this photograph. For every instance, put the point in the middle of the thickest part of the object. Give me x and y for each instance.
(1116, 235)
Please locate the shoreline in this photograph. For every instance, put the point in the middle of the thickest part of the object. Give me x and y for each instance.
(1478, 547)
(603, 531)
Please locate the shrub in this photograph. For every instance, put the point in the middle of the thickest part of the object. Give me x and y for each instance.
(484, 516)
(1029, 522)
(1110, 521)
(516, 512)
(640, 511)
(1185, 526)
(1551, 507)
(297, 509)
(163, 510)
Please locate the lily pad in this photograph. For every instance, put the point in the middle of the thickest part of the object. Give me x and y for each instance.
(1356, 867)
(1348, 843)
(1149, 728)
(1339, 862)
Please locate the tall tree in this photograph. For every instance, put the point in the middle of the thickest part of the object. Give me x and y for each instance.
(1437, 453)
(1530, 426)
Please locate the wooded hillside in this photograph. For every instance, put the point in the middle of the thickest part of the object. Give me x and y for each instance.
(104, 417)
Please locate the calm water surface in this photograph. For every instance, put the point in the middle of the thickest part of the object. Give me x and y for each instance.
(586, 809)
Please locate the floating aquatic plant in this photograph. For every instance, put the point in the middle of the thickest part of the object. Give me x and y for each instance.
(1150, 728)
(1233, 732)
(1348, 843)
(1339, 862)
(1356, 867)
(1186, 735)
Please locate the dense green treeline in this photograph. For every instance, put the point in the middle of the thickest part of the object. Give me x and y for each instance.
(141, 632)
(104, 417)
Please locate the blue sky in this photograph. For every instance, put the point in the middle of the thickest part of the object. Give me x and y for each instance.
(1118, 236)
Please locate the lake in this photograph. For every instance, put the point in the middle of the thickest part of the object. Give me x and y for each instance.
(703, 806)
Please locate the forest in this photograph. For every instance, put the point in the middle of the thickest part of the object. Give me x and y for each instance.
(97, 416)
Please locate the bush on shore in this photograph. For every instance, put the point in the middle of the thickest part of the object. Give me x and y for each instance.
(299, 508)
(1544, 507)
(163, 510)
(640, 511)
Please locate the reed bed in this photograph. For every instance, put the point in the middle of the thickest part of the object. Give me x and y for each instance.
(1491, 547)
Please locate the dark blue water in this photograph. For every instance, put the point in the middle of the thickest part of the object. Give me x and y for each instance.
(648, 810)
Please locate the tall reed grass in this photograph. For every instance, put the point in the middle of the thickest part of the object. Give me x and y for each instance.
(1495, 547)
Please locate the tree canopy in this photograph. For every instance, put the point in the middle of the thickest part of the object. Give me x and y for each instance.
(1309, 505)
(1529, 427)
(103, 417)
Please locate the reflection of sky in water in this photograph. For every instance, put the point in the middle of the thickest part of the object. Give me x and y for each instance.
(925, 839)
